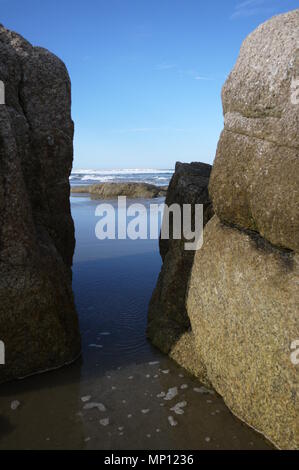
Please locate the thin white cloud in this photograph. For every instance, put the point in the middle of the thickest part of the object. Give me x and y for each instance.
(135, 130)
(251, 8)
(166, 66)
(200, 77)
(192, 73)
(249, 3)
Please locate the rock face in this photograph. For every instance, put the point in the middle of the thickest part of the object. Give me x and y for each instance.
(38, 322)
(255, 179)
(113, 190)
(241, 316)
(243, 300)
(243, 305)
(168, 323)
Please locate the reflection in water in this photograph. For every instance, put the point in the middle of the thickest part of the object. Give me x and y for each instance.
(122, 393)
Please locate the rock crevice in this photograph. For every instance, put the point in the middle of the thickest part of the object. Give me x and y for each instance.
(169, 326)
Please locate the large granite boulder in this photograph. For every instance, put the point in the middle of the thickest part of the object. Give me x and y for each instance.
(243, 304)
(168, 323)
(38, 322)
(240, 321)
(255, 178)
(243, 296)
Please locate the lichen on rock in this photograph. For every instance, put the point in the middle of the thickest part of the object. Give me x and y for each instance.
(243, 306)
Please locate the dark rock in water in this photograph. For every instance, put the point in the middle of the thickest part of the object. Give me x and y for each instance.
(113, 190)
(188, 186)
(38, 322)
(168, 321)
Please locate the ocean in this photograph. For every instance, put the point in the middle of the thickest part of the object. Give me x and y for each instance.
(159, 177)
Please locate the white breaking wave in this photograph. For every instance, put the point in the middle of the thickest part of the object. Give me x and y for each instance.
(119, 171)
(97, 178)
(121, 175)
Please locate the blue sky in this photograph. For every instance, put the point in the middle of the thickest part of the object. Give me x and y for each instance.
(146, 74)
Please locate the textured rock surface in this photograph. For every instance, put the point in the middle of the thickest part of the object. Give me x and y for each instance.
(38, 322)
(255, 177)
(168, 322)
(243, 305)
(242, 301)
(113, 190)
(243, 297)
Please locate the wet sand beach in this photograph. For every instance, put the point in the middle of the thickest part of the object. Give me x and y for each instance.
(122, 393)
